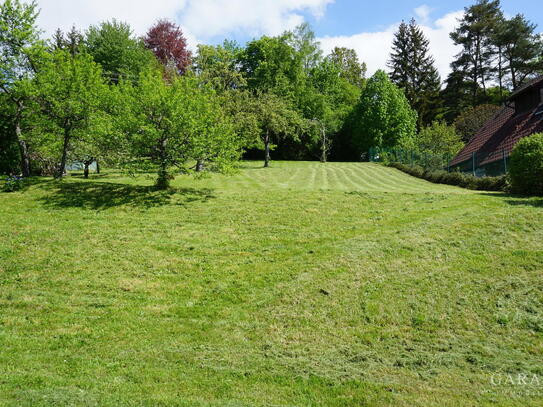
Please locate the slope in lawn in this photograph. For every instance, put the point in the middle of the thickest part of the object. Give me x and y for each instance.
(300, 285)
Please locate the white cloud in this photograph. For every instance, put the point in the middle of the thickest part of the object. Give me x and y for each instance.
(139, 13)
(200, 19)
(423, 13)
(249, 17)
(374, 47)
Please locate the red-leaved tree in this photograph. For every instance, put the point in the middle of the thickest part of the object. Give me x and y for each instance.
(165, 39)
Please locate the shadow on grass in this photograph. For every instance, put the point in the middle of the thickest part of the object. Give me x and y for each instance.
(105, 195)
(517, 200)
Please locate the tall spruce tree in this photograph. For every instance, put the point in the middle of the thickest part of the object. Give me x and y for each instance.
(413, 70)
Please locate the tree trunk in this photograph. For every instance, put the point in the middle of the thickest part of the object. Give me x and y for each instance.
(97, 167)
(25, 159)
(199, 166)
(163, 182)
(62, 166)
(87, 164)
(267, 149)
(324, 146)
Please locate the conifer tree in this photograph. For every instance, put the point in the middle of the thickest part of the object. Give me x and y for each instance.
(519, 50)
(413, 70)
(475, 35)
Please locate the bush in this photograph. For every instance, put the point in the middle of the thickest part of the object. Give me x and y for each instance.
(526, 166)
(454, 178)
(13, 183)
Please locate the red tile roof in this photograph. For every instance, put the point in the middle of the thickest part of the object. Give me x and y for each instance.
(500, 134)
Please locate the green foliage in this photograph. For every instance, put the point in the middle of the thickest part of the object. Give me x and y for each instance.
(218, 66)
(350, 67)
(276, 120)
(475, 35)
(68, 92)
(9, 151)
(271, 64)
(121, 54)
(20, 50)
(439, 138)
(18, 39)
(519, 50)
(172, 123)
(413, 70)
(383, 117)
(454, 178)
(471, 120)
(13, 183)
(526, 166)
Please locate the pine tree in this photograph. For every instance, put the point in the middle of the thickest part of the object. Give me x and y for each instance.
(413, 70)
(475, 35)
(519, 50)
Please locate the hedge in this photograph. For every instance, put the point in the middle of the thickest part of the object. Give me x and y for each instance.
(454, 178)
(526, 166)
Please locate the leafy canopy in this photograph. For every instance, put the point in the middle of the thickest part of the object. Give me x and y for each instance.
(383, 117)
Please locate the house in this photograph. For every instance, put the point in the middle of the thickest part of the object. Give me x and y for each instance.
(487, 152)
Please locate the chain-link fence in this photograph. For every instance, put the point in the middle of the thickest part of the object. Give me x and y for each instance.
(480, 163)
(426, 160)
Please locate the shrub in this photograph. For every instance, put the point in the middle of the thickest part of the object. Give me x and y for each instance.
(454, 178)
(13, 183)
(526, 166)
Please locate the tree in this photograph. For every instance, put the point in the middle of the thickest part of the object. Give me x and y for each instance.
(471, 120)
(73, 41)
(350, 67)
(271, 64)
(165, 39)
(113, 46)
(67, 91)
(413, 70)
(383, 117)
(334, 98)
(440, 139)
(519, 50)
(171, 123)
(20, 48)
(10, 159)
(276, 121)
(218, 66)
(475, 35)
(305, 45)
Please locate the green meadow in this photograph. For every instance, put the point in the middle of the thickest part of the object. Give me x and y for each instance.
(305, 284)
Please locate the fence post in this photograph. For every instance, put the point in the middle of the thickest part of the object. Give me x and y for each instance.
(473, 163)
(504, 161)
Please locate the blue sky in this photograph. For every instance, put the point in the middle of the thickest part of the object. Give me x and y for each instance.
(348, 17)
(367, 26)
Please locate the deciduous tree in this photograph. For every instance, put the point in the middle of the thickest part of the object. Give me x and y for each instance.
(166, 40)
(173, 123)
(383, 116)
(67, 91)
(113, 45)
(20, 49)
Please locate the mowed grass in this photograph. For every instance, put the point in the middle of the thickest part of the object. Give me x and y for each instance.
(305, 284)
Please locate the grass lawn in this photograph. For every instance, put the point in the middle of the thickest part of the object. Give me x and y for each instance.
(300, 285)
